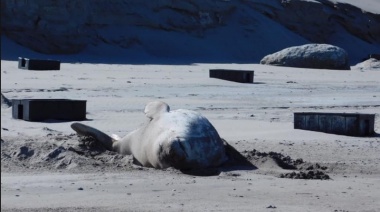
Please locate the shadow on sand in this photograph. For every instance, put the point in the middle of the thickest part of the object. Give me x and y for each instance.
(11, 51)
(236, 161)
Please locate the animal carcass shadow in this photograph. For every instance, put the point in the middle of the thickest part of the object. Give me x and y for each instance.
(236, 161)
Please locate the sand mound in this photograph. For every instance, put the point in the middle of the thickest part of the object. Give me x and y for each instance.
(73, 153)
(58, 153)
(5, 103)
(275, 160)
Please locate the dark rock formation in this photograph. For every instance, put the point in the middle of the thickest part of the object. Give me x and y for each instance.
(318, 21)
(322, 56)
(69, 26)
(243, 31)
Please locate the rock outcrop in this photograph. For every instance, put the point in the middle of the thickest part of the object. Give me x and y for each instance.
(243, 31)
(56, 27)
(319, 20)
(321, 56)
(370, 64)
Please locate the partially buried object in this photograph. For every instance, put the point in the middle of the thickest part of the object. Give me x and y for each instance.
(182, 139)
(352, 124)
(43, 109)
(242, 76)
(38, 64)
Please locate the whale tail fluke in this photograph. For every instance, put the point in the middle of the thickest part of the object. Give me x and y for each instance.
(98, 135)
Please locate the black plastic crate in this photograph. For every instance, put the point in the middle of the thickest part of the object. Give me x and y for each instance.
(43, 109)
(38, 64)
(352, 124)
(243, 76)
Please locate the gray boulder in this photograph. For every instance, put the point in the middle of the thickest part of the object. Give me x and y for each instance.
(370, 64)
(320, 56)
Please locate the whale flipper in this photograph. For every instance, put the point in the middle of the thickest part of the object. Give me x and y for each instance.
(101, 137)
(155, 109)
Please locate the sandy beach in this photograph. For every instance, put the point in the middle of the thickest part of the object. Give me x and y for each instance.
(43, 170)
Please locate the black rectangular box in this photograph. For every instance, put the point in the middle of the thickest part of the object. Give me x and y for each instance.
(43, 109)
(242, 76)
(352, 124)
(37, 64)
